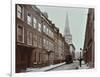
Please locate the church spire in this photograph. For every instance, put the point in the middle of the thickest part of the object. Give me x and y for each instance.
(67, 29)
(68, 36)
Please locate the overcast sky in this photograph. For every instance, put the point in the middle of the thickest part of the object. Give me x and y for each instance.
(77, 21)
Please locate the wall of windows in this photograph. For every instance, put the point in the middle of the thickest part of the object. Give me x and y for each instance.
(47, 44)
(35, 23)
(48, 31)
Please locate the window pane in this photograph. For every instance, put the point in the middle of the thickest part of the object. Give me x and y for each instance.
(39, 27)
(29, 20)
(18, 15)
(44, 27)
(35, 22)
(40, 42)
(19, 8)
(19, 11)
(20, 34)
(35, 40)
(29, 38)
(44, 43)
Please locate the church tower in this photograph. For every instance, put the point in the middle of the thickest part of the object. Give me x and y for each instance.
(68, 37)
(67, 34)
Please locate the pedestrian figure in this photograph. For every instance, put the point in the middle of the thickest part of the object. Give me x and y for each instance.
(80, 61)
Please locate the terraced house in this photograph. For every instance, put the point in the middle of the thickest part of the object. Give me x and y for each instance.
(38, 41)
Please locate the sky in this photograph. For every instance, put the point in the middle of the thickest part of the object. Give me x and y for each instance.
(77, 18)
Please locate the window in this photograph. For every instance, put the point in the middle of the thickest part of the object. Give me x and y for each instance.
(44, 42)
(29, 38)
(52, 47)
(60, 45)
(40, 42)
(19, 11)
(29, 19)
(50, 33)
(39, 27)
(34, 22)
(35, 40)
(47, 44)
(44, 28)
(35, 43)
(35, 37)
(20, 34)
(47, 30)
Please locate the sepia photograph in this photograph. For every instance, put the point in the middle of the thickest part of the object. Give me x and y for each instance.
(54, 38)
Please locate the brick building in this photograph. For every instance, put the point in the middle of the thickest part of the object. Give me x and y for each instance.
(38, 41)
(88, 50)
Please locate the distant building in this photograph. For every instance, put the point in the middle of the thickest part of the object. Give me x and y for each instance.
(72, 50)
(88, 50)
(38, 41)
(68, 38)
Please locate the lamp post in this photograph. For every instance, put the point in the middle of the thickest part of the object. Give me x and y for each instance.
(80, 59)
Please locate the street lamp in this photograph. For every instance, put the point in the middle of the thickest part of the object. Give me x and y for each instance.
(80, 59)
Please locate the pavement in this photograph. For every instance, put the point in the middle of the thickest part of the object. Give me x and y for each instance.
(60, 66)
(47, 68)
(83, 66)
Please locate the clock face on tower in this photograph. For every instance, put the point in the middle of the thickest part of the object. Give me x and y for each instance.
(68, 39)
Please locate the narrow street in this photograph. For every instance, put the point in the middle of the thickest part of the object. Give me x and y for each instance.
(71, 66)
(59, 67)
